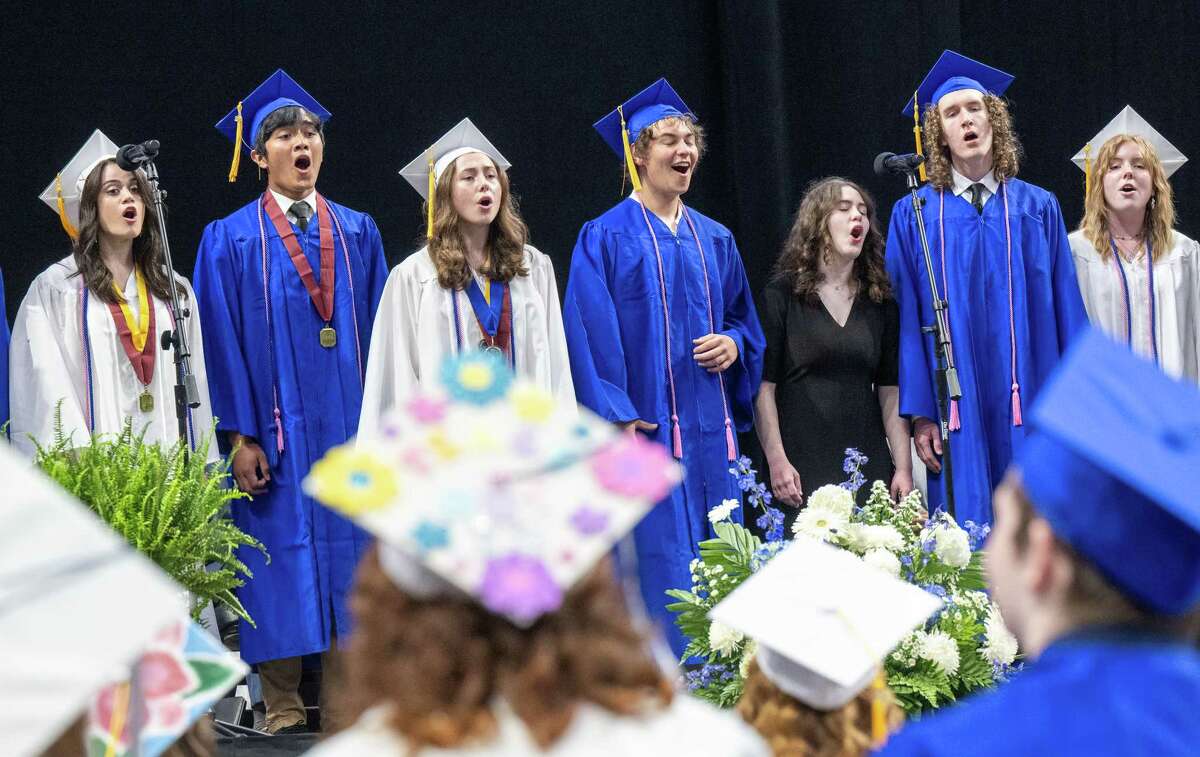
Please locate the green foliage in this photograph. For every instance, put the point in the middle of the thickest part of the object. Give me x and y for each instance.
(165, 502)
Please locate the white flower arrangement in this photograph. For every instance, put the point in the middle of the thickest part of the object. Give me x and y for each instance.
(963, 648)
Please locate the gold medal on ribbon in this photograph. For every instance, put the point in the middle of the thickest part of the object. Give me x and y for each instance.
(146, 401)
(328, 337)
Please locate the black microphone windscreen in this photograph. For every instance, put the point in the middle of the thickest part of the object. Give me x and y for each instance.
(881, 163)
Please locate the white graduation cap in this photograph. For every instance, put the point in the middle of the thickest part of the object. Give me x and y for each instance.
(63, 191)
(76, 604)
(824, 620)
(464, 138)
(1129, 122)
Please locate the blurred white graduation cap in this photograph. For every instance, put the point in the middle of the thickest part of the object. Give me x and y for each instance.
(824, 620)
(63, 191)
(76, 604)
(1129, 122)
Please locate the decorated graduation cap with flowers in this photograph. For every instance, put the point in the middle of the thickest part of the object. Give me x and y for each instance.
(490, 486)
(621, 128)
(78, 607)
(63, 193)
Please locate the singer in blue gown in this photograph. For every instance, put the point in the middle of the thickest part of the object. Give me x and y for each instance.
(615, 335)
(298, 599)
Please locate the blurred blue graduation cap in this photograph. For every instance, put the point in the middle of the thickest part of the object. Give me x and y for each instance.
(621, 128)
(953, 72)
(278, 91)
(1113, 464)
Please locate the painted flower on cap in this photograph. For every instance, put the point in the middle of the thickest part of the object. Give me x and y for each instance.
(520, 587)
(430, 536)
(589, 521)
(532, 404)
(352, 481)
(479, 378)
(424, 409)
(634, 467)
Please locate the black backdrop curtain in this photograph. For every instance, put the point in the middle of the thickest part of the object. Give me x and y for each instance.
(789, 91)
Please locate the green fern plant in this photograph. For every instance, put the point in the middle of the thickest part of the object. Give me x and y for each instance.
(168, 504)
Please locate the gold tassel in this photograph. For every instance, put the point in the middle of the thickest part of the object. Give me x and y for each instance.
(917, 131)
(879, 726)
(237, 146)
(1087, 170)
(633, 174)
(62, 209)
(429, 201)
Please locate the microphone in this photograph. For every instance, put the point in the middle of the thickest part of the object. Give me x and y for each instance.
(889, 162)
(131, 157)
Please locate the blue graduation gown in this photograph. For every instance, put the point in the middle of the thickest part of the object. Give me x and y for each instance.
(298, 600)
(613, 318)
(4, 337)
(1047, 311)
(1088, 694)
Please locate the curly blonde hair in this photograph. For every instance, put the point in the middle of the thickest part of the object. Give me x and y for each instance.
(506, 241)
(441, 663)
(1160, 211)
(793, 729)
(641, 147)
(1006, 148)
(809, 240)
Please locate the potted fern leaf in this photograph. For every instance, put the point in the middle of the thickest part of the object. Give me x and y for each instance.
(169, 505)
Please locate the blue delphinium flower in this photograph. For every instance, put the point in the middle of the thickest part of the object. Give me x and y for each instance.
(852, 466)
(763, 554)
(771, 522)
(976, 534)
(707, 675)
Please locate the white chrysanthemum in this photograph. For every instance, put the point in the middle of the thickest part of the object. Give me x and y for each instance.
(940, 649)
(882, 559)
(820, 523)
(951, 545)
(722, 639)
(863, 538)
(722, 511)
(1001, 645)
(834, 499)
(747, 656)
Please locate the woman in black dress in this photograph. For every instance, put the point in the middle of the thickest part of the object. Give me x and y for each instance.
(829, 374)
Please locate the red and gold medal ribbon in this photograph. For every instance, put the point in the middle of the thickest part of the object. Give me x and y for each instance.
(134, 337)
(321, 293)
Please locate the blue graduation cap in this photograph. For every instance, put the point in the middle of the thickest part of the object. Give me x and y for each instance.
(1113, 464)
(278, 91)
(953, 72)
(621, 128)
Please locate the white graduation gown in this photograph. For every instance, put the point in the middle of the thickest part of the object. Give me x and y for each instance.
(687, 727)
(47, 365)
(414, 331)
(1176, 294)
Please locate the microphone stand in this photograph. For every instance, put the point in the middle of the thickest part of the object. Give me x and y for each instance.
(186, 393)
(948, 387)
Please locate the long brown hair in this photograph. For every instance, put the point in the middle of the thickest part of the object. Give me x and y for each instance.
(1006, 148)
(809, 241)
(1160, 211)
(440, 663)
(793, 729)
(147, 247)
(507, 236)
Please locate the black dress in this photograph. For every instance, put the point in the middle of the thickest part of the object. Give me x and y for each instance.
(826, 377)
